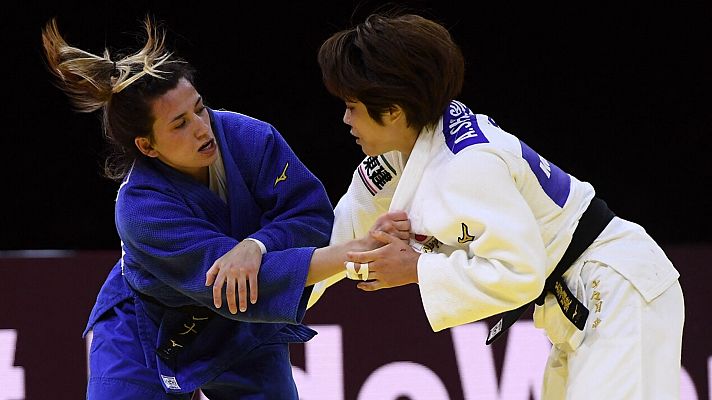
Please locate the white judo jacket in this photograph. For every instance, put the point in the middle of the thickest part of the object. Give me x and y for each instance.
(491, 217)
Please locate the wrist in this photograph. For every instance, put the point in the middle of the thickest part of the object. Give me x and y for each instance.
(415, 259)
(256, 244)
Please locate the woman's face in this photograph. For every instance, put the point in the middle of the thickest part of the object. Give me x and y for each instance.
(182, 136)
(374, 137)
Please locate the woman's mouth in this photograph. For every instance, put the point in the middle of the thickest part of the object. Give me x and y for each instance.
(208, 146)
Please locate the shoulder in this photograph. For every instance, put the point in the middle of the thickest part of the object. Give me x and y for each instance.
(472, 142)
(147, 173)
(463, 129)
(243, 133)
(144, 187)
(233, 123)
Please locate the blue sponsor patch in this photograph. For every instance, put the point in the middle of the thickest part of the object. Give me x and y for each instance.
(460, 127)
(555, 182)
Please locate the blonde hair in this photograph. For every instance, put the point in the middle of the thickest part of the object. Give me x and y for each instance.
(123, 89)
(90, 80)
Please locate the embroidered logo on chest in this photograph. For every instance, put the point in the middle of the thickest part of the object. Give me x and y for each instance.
(465, 237)
(375, 173)
(282, 177)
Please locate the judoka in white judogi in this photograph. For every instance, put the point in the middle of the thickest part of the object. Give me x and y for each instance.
(493, 218)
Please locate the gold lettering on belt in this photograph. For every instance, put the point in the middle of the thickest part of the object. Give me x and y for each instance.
(561, 294)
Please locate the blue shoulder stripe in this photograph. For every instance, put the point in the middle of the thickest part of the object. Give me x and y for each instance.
(460, 127)
(553, 180)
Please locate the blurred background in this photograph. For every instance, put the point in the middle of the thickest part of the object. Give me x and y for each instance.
(616, 94)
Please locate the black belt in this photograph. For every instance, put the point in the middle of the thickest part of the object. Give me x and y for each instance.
(592, 222)
(184, 325)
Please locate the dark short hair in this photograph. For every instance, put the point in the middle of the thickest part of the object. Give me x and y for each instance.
(405, 60)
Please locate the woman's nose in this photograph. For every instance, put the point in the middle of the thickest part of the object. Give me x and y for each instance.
(347, 117)
(203, 127)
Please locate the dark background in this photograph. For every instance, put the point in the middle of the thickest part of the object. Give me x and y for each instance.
(617, 95)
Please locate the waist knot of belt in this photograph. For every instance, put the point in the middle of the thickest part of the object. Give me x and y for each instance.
(592, 222)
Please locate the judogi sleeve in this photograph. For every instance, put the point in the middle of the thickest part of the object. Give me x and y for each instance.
(168, 249)
(343, 231)
(357, 210)
(503, 266)
(296, 208)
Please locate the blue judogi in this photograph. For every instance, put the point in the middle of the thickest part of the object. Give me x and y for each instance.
(172, 229)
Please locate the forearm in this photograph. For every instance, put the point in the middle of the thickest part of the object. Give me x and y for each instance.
(329, 261)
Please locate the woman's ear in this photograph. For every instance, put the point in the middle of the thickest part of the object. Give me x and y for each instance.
(395, 113)
(145, 147)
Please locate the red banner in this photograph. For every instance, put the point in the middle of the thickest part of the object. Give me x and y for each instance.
(375, 345)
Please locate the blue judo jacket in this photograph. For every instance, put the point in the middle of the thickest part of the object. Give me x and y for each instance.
(173, 228)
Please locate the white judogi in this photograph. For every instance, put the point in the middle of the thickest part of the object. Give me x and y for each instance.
(492, 219)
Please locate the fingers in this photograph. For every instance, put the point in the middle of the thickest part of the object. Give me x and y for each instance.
(236, 290)
(384, 237)
(369, 286)
(232, 286)
(393, 226)
(230, 294)
(253, 288)
(217, 290)
(361, 257)
(401, 224)
(397, 215)
(236, 271)
(238, 286)
(211, 279)
(211, 275)
(358, 271)
(242, 293)
(393, 221)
